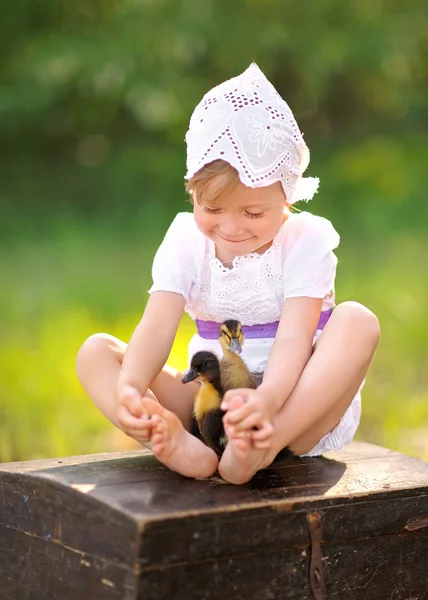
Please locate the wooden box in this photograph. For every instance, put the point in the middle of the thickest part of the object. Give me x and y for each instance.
(353, 525)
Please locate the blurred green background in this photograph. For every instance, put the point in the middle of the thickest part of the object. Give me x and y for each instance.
(95, 100)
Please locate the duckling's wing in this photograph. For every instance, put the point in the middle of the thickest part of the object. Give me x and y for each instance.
(212, 430)
(194, 429)
(234, 373)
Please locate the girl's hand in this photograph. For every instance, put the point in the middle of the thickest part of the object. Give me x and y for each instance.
(254, 418)
(132, 417)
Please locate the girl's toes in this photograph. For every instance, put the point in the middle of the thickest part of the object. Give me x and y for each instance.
(241, 443)
(230, 429)
(158, 424)
(157, 442)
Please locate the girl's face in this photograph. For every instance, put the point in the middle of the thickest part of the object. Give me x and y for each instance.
(242, 219)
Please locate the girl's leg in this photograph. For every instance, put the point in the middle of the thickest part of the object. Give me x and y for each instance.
(326, 388)
(98, 366)
(330, 380)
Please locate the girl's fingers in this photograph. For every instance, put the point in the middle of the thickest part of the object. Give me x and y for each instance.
(235, 392)
(251, 421)
(233, 404)
(141, 435)
(265, 433)
(127, 421)
(239, 414)
(131, 400)
(234, 398)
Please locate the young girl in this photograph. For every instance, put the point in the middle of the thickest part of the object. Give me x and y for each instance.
(242, 255)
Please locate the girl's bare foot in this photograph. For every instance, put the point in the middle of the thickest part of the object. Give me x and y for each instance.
(241, 460)
(175, 447)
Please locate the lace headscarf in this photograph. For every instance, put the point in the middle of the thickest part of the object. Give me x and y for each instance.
(245, 122)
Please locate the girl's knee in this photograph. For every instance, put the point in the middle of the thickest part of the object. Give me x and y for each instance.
(362, 321)
(96, 346)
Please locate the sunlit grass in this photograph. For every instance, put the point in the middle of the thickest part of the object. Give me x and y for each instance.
(61, 291)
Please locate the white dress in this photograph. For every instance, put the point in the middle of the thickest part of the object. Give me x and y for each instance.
(300, 262)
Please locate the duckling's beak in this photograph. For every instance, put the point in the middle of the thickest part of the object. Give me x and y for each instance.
(235, 346)
(190, 376)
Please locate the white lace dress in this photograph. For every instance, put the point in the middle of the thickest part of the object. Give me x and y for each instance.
(300, 262)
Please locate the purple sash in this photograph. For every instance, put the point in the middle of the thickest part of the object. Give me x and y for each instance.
(210, 330)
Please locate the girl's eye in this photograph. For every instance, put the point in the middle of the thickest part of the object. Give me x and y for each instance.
(212, 211)
(254, 215)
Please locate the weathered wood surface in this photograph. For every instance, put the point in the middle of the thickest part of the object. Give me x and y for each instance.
(123, 526)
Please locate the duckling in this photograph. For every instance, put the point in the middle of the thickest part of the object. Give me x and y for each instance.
(207, 414)
(234, 373)
(230, 373)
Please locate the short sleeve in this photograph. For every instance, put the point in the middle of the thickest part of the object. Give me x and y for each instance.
(176, 263)
(309, 267)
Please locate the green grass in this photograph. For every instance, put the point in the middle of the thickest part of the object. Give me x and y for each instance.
(62, 289)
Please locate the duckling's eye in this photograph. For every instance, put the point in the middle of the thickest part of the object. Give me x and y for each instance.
(227, 336)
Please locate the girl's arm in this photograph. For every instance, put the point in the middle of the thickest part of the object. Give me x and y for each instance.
(291, 349)
(290, 352)
(151, 342)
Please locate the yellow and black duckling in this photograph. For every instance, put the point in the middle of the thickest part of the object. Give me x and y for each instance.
(234, 373)
(208, 417)
(217, 377)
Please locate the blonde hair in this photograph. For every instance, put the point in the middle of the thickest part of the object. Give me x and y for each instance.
(217, 175)
(213, 179)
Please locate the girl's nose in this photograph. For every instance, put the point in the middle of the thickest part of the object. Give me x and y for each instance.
(230, 227)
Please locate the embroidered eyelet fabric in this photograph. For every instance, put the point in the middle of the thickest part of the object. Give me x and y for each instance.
(245, 122)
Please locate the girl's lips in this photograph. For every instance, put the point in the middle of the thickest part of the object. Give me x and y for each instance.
(234, 241)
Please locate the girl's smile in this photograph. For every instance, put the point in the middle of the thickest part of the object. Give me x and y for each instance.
(235, 241)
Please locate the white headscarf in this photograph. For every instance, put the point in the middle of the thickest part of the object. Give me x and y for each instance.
(245, 122)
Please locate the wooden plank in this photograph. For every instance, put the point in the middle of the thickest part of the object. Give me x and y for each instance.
(52, 512)
(31, 466)
(203, 537)
(378, 568)
(390, 568)
(354, 451)
(141, 488)
(137, 483)
(362, 451)
(318, 481)
(49, 570)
